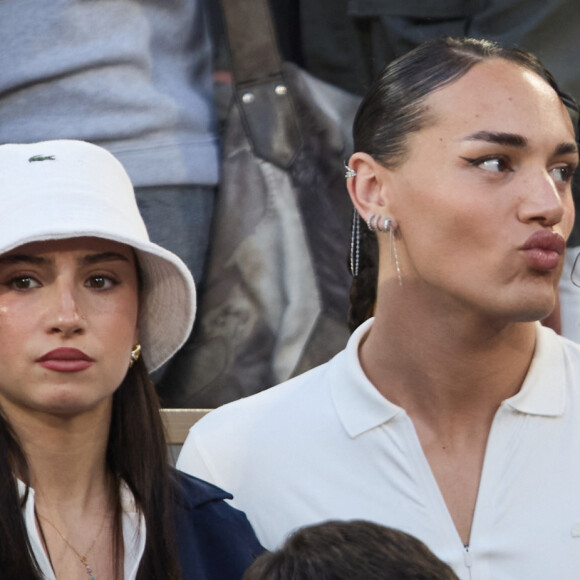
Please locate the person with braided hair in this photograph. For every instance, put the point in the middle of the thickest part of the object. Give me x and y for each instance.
(452, 414)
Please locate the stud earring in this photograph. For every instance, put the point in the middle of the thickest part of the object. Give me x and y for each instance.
(135, 354)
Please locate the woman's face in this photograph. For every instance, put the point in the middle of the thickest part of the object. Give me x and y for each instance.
(68, 322)
(484, 199)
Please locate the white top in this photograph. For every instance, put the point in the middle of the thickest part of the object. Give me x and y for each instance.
(327, 445)
(133, 525)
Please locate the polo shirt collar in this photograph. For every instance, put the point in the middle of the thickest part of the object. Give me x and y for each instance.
(544, 389)
(360, 406)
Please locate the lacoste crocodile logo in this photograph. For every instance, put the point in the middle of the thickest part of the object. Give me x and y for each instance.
(41, 158)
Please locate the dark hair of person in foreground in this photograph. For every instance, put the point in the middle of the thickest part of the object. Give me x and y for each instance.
(350, 550)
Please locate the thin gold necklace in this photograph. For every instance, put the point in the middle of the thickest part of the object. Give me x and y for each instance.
(81, 557)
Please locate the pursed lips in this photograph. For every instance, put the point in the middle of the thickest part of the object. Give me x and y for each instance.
(543, 250)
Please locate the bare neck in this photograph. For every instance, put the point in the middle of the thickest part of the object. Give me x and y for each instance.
(442, 368)
(66, 458)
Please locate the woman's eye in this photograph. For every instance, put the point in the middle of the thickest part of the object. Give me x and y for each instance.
(24, 283)
(100, 282)
(496, 164)
(492, 164)
(562, 174)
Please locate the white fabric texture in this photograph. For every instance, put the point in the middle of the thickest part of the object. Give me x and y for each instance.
(327, 445)
(133, 526)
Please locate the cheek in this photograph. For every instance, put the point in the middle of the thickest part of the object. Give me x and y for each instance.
(435, 222)
(449, 235)
(116, 320)
(13, 328)
(127, 315)
(568, 219)
(123, 323)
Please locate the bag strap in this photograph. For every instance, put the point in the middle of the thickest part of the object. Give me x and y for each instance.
(252, 40)
(261, 92)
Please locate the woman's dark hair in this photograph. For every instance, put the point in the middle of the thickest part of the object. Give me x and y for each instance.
(136, 454)
(349, 550)
(394, 108)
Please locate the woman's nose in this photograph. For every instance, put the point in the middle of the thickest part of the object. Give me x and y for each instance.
(542, 201)
(65, 316)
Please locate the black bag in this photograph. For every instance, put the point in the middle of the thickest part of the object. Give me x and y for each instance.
(275, 295)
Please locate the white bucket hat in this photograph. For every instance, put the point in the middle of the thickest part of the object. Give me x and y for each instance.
(67, 189)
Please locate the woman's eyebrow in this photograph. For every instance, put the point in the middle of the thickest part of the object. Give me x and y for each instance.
(40, 261)
(515, 140)
(499, 138)
(26, 258)
(566, 148)
(103, 257)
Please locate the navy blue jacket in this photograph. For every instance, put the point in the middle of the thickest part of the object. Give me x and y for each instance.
(215, 541)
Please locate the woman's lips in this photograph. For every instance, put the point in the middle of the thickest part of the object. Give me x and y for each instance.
(65, 360)
(543, 250)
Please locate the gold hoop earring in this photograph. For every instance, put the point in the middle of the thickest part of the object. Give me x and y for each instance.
(135, 354)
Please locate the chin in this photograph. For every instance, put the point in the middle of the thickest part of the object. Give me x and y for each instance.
(534, 313)
(67, 403)
(533, 303)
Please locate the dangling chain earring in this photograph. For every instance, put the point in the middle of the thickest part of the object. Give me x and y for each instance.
(135, 354)
(355, 244)
(388, 225)
(355, 233)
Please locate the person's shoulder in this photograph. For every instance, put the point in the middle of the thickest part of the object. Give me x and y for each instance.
(297, 391)
(193, 492)
(200, 506)
(214, 539)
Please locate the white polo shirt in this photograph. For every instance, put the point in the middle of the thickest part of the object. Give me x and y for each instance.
(327, 445)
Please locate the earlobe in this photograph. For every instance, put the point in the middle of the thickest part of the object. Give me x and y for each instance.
(367, 185)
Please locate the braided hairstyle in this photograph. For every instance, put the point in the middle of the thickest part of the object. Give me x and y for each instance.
(394, 107)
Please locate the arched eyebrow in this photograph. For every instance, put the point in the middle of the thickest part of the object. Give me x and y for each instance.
(85, 260)
(510, 139)
(566, 149)
(515, 140)
(26, 258)
(103, 257)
